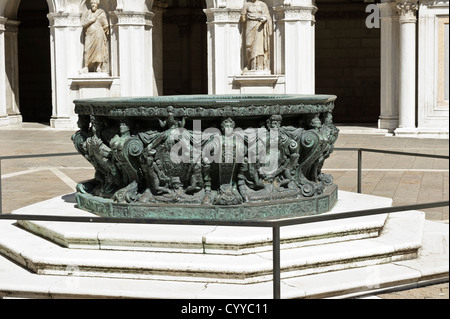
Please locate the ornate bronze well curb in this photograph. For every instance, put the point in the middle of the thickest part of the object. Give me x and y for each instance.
(132, 143)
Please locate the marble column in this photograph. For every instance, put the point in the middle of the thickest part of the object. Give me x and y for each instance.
(135, 43)
(298, 23)
(3, 114)
(389, 66)
(407, 67)
(66, 61)
(224, 47)
(12, 72)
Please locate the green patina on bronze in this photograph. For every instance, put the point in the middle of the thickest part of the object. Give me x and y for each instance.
(131, 143)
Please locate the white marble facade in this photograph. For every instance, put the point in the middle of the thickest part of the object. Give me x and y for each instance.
(414, 67)
(130, 68)
(135, 65)
(292, 49)
(135, 39)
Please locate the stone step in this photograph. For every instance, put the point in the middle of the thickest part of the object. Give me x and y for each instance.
(407, 250)
(431, 266)
(400, 239)
(202, 239)
(199, 239)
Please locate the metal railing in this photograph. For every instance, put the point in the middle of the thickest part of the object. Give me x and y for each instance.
(370, 150)
(274, 224)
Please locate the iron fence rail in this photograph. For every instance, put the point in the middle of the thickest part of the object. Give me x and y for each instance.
(370, 150)
(274, 224)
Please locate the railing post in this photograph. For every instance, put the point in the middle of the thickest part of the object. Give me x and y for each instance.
(359, 170)
(276, 262)
(1, 208)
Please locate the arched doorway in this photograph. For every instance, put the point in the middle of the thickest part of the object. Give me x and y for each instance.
(34, 61)
(348, 60)
(184, 48)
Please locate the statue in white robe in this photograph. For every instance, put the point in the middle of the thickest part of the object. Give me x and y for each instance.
(96, 28)
(258, 29)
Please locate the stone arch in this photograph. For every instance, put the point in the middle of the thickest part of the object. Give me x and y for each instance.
(11, 8)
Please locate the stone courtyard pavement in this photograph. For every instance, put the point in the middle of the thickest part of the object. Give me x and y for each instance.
(405, 179)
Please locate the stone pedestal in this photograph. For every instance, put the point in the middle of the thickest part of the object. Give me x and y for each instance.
(258, 83)
(336, 258)
(94, 85)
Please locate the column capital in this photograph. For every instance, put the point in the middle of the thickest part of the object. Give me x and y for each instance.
(133, 18)
(296, 13)
(407, 10)
(223, 15)
(63, 20)
(3, 109)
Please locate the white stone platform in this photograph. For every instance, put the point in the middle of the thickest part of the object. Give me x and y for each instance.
(325, 259)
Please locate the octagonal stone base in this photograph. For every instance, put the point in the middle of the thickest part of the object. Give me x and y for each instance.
(325, 259)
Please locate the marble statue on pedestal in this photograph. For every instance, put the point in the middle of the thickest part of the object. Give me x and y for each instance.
(258, 29)
(96, 27)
